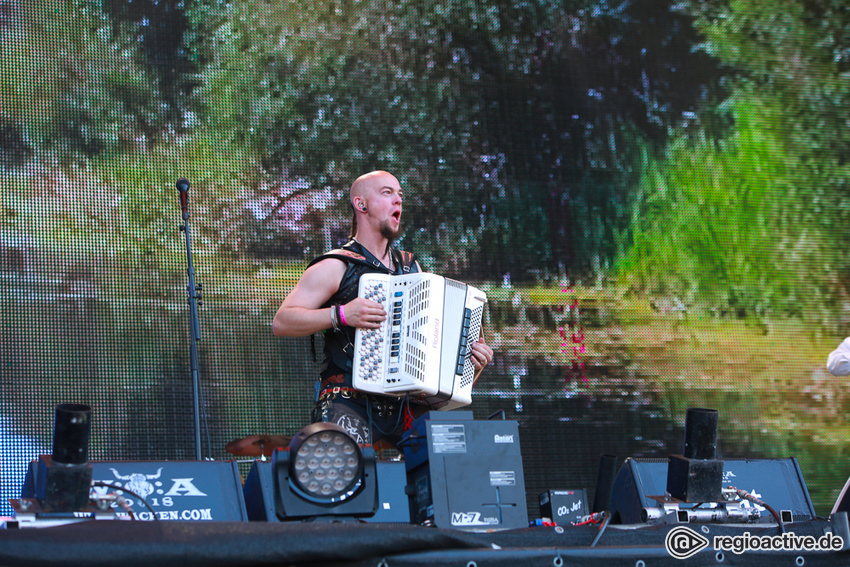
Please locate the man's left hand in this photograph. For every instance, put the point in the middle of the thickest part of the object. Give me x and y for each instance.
(481, 356)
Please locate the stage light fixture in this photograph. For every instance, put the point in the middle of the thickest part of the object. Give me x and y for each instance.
(697, 475)
(325, 473)
(59, 484)
(66, 476)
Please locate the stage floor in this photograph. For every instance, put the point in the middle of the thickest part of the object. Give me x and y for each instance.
(96, 543)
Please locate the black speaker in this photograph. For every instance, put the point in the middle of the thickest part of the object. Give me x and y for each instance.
(778, 482)
(393, 506)
(465, 474)
(176, 490)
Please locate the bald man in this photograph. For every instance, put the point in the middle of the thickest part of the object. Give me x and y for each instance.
(325, 300)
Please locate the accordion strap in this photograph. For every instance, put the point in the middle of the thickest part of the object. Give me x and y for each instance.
(407, 260)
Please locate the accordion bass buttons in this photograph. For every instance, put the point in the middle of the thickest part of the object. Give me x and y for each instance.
(371, 359)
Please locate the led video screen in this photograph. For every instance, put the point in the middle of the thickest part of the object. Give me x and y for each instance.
(651, 194)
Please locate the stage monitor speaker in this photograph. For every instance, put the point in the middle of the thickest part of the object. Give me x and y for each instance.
(778, 482)
(465, 474)
(176, 490)
(393, 506)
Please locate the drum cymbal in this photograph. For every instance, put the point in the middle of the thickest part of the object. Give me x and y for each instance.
(257, 445)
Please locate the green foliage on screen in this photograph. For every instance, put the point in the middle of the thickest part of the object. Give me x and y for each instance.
(752, 221)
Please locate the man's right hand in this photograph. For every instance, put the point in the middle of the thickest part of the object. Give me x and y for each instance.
(364, 313)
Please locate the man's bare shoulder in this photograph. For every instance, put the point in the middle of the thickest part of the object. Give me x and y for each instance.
(316, 285)
(326, 266)
(323, 276)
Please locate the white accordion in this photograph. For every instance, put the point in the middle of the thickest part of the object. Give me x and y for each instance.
(424, 345)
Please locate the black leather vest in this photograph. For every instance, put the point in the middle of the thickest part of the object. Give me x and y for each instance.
(339, 346)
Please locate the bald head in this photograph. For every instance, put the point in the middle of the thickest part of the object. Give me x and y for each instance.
(376, 198)
(364, 185)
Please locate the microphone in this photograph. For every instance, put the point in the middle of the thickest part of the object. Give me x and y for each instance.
(183, 188)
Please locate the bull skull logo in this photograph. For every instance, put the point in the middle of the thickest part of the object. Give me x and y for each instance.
(137, 482)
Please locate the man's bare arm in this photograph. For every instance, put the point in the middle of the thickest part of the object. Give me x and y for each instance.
(301, 313)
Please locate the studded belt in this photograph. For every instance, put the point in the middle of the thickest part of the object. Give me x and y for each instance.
(342, 392)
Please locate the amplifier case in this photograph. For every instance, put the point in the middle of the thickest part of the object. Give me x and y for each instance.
(465, 474)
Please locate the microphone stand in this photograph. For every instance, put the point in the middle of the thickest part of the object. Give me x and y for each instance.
(193, 292)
